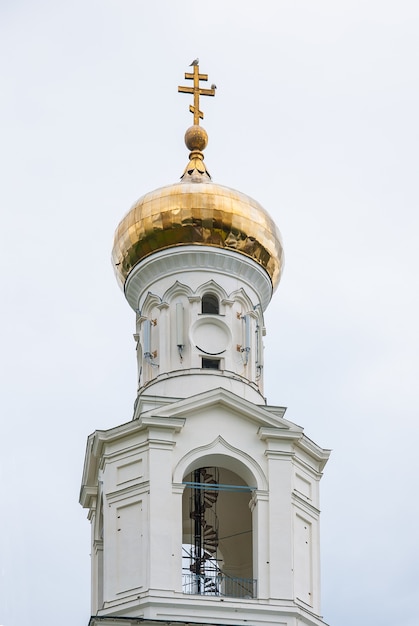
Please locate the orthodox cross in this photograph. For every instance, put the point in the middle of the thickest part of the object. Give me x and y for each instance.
(197, 91)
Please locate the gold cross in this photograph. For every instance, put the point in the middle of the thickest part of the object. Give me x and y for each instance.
(197, 91)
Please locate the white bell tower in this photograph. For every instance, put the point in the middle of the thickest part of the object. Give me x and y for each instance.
(204, 508)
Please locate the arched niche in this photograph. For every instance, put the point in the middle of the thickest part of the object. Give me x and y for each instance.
(211, 287)
(176, 290)
(218, 525)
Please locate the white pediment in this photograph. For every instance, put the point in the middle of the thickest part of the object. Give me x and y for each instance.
(263, 417)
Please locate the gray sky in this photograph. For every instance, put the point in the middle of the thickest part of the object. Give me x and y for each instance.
(316, 116)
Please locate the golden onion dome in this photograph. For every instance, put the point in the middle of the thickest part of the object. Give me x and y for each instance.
(196, 211)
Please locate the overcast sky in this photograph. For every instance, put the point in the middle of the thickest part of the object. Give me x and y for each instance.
(316, 116)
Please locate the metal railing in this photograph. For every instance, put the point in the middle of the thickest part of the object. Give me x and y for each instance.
(219, 585)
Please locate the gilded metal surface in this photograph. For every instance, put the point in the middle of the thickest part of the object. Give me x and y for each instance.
(197, 211)
(196, 138)
(200, 213)
(196, 170)
(197, 91)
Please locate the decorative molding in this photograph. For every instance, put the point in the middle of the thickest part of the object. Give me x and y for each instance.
(177, 289)
(219, 451)
(213, 287)
(180, 373)
(196, 258)
(223, 397)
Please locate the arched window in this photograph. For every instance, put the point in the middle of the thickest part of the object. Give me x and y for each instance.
(210, 304)
(217, 534)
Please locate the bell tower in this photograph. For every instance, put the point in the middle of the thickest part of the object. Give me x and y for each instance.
(204, 507)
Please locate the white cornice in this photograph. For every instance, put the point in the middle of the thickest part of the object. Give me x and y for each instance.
(191, 258)
(98, 440)
(275, 437)
(160, 607)
(316, 452)
(225, 398)
(271, 434)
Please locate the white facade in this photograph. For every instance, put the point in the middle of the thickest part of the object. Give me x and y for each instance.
(176, 336)
(203, 455)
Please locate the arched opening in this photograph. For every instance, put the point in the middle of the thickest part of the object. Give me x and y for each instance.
(210, 304)
(217, 534)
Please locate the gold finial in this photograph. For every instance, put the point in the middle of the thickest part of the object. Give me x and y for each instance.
(197, 91)
(196, 138)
